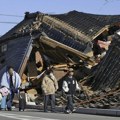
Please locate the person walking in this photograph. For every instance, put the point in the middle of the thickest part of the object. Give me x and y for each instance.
(70, 86)
(12, 81)
(49, 87)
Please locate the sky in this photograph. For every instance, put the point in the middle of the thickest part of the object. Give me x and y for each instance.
(19, 7)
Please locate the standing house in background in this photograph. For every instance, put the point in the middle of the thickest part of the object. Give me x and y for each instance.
(42, 39)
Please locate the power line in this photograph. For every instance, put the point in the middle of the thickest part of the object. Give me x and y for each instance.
(9, 22)
(11, 15)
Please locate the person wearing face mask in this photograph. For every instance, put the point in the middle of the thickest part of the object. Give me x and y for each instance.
(49, 87)
(70, 86)
(12, 81)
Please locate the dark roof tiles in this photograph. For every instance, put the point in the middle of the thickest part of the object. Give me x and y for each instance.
(89, 24)
(16, 52)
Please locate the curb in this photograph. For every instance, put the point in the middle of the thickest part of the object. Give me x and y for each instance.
(92, 111)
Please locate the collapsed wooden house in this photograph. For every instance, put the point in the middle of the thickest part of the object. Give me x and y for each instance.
(41, 40)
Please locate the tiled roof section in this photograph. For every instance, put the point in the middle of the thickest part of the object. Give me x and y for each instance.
(15, 30)
(107, 19)
(88, 24)
(62, 38)
(22, 27)
(16, 51)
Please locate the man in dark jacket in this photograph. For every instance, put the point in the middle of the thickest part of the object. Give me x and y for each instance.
(70, 86)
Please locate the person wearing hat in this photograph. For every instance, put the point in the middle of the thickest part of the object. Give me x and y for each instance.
(70, 86)
(49, 87)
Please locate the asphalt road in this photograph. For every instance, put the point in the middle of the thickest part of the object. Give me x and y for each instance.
(39, 115)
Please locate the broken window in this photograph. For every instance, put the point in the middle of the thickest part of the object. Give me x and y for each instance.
(3, 48)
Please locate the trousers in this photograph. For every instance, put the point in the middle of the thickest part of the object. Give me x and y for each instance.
(50, 97)
(7, 103)
(69, 105)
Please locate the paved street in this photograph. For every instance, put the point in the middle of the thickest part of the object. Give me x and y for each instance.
(39, 115)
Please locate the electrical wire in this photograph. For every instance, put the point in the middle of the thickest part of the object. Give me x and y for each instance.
(10, 15)
(9, 22)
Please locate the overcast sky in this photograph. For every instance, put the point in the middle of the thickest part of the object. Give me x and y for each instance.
(19, 7)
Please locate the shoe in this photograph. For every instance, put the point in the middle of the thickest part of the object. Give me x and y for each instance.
(68, 112)
(21, 110)
(45, 111)
(73, 110)
(3, 109)
(53, 111)
(9, 109)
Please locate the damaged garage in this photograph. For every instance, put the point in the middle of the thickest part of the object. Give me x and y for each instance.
(90, 44)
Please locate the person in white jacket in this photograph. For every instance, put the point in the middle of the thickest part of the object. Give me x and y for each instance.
(12, 81)
(70, 86)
